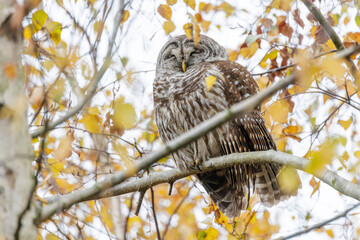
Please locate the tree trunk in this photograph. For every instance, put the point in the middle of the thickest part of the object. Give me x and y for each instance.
(16, 154)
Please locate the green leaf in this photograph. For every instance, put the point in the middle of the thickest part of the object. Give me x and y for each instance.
(124, 61)
(38, 19)
(357, 19)
(201, 235)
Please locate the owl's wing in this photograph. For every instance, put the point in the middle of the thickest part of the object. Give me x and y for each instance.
(247, 133)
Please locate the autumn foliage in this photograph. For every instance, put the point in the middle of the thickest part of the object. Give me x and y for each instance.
(81, 61)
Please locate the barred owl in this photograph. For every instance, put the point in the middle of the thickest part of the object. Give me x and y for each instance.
(182, 100)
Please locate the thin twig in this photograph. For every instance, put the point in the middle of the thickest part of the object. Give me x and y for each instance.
(154, 213)
(128, 216)
(140, 200)
(321, 224)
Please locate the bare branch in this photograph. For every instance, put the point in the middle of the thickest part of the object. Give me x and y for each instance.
(321, 224)
(333, 35)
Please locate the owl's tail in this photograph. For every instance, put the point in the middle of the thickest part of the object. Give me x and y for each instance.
(230, 188)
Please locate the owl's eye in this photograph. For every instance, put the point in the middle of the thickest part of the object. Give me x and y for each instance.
(170, 56)
(196, 52)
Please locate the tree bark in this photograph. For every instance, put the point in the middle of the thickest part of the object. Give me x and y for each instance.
(16, 154)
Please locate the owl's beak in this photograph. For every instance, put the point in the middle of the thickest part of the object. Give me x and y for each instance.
(183, 65)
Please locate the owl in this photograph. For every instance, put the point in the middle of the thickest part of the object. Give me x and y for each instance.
(183, 99)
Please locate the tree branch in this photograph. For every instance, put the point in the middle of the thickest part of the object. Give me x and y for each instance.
(136, 184)
(321, 224)
(334, 37)
(67, 201)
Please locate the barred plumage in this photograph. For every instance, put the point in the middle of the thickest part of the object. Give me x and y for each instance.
(182, 101)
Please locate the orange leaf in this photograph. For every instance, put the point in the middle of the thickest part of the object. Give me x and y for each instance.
(125, 16)
(9, 70)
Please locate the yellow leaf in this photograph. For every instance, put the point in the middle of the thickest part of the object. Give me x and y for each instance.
(205, 25)
(211, 234)
(47, 64)
(125, 16)
(188, 28)
(106, 218)
(253, 48)
(89, 218)
(279, 110)
(190, 3)
(244, 51)
(346, 20)
(171, 2)
(124, 114)
(94, 110)
(38, 19)
(262, 82)
(289, 180)
(91, 123)
(330, 233)
(169, 27)
(333, 66)
(28, 31)
(210, 80)
(51, 236)
(345, 124)
(290, 129)
(227, 8)
(324, 154)
(164, 11)
(357, 154)
(98, 26)
(54, 28)
(232, 54)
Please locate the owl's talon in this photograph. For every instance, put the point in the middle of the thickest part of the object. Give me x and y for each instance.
(198, 164)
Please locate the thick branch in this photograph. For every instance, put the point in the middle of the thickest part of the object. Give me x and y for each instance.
(136, 184)
(333, 35)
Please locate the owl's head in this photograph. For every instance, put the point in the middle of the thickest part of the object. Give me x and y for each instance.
(180, 53)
